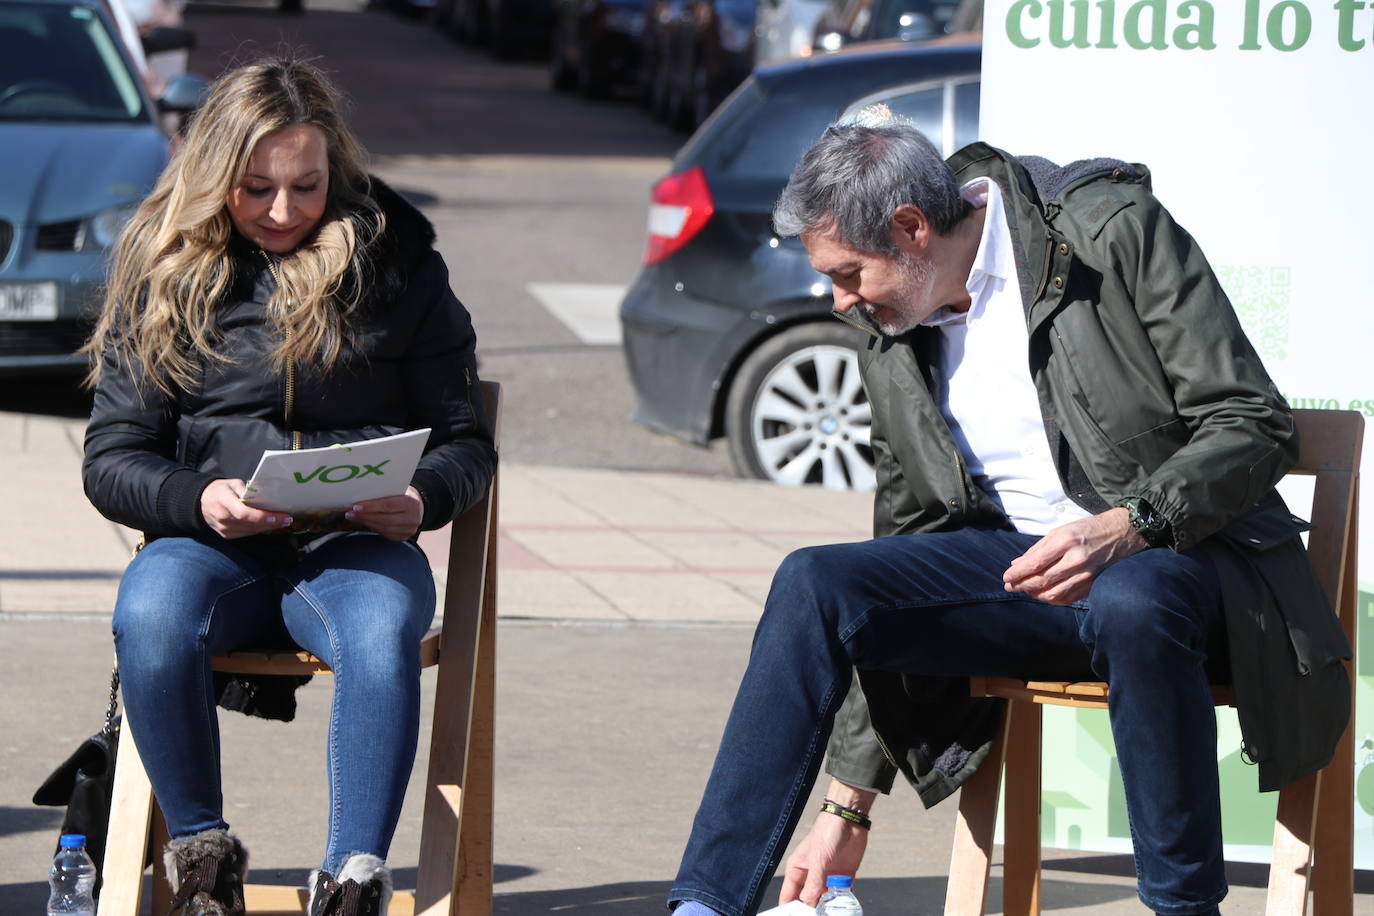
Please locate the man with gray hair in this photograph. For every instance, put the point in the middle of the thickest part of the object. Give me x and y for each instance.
(1076, 452)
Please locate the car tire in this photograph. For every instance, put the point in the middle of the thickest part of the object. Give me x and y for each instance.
(503, 39)
(592, 80)
(797, 413)
(702, 103)
(561, 76)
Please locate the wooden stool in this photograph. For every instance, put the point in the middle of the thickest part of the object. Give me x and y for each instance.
(1330, 442)
(455, 868)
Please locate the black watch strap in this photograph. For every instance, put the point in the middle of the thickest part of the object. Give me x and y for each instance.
(1152, 527)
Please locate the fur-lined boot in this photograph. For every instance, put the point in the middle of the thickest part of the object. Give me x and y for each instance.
(362, 888)
(206, 871)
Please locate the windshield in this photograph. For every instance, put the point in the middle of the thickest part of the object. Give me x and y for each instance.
(60, 63)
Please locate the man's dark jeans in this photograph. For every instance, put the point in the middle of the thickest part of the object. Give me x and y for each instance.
(934, 604)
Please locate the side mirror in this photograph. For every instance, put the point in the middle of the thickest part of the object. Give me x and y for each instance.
(185, 93)
(168, 38)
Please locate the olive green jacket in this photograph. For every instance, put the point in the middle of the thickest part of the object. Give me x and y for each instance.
(1149, 388)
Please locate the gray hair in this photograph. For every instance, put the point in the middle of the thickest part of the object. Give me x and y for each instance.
(855, 177)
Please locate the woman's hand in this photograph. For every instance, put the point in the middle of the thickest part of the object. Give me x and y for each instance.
(222, 505)
(394, 517)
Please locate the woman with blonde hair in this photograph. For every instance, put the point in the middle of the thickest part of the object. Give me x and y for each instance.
(269, 294)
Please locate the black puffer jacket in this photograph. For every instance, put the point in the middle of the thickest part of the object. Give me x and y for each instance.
(409, 365)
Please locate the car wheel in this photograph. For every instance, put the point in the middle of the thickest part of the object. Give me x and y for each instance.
(797, 412)
(592, 79)
(701, 94)
(659, 91)
(503, 39)
(561, 76)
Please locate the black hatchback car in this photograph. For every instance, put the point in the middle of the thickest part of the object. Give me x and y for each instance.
(727, 329)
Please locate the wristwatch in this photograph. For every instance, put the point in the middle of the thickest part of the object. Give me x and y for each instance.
(1147, 522)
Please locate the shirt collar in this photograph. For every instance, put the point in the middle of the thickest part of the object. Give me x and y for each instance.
(993, 259)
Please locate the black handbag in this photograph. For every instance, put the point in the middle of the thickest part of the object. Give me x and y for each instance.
(84, 782)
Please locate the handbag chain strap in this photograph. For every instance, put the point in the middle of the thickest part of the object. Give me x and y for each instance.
(114, 700)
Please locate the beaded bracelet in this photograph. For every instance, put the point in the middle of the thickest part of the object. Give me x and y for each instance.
(857, 818)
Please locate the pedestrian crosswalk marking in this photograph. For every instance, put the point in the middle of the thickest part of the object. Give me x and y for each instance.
(589, 310)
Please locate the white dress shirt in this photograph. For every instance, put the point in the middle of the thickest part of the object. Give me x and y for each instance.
(992, 407)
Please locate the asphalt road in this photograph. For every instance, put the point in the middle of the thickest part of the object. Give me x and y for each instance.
(539, 200)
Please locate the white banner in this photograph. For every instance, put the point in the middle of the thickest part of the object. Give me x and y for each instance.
(1253, 118)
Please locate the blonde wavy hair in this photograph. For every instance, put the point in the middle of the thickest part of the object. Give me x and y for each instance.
(173, 265)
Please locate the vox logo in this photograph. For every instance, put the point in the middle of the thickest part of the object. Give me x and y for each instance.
(341, 472)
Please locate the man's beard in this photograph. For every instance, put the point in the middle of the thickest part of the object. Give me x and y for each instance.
(910, 305)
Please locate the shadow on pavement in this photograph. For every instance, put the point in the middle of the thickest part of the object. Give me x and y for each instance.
(919, 896)
(53, 395)
(29, 819)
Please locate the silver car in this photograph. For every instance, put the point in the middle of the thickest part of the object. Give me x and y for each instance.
(81, 146)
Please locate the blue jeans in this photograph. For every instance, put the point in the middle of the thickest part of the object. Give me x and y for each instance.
(360, 602)
(933, 604)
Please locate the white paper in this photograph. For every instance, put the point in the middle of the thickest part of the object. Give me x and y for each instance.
(336, 476)
(790, 908)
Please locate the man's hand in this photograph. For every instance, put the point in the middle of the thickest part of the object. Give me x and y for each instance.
(394, 517)
(222, 505)
(833, 847)
(1061, 566)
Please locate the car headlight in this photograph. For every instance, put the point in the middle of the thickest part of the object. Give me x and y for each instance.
(103, 229)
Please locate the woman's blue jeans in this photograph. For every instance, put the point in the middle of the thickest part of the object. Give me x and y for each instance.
(933, 604)
(360, 602)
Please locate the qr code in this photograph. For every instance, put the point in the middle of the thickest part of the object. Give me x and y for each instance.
(1261, 296)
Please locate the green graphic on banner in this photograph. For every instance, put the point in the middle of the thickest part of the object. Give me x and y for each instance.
(1261, 297)
(1083, 806)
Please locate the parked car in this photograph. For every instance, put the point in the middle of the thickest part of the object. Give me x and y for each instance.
(661, 24)
(847, 21)
(711, 53)
(82, 146)
(508, 28)
(785, 28)
(596, 44)
(727, 329)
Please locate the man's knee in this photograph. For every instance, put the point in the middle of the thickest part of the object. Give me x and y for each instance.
(813, 576)
(1150, 606)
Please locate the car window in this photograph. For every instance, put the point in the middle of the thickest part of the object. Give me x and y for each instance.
(966, 99)
(752, 140)
(946, 111)
(61, 63)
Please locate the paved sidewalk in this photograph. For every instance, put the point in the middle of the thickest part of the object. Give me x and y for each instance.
(575, 544)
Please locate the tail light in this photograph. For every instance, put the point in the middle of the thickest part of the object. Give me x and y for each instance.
(680, 207)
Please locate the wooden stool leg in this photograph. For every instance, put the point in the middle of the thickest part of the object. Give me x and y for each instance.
(1288, 869)
(131, 812)
(162, 890)
(474, 879)
(1021, 850)
(966, 894)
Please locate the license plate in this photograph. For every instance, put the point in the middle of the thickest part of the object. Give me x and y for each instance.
(28, 301)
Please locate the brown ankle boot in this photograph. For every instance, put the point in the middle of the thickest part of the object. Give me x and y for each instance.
(362, 888)
(206, 871)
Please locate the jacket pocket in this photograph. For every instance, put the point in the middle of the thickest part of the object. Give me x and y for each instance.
(1265, 527)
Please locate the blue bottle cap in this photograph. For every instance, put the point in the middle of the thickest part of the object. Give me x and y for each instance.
(839, 881)
(72, 840)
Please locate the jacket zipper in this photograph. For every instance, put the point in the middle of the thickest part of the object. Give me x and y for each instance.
(290, 404)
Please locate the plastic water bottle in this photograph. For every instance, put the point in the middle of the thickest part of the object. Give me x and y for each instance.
(72, 878)
(839, 899)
